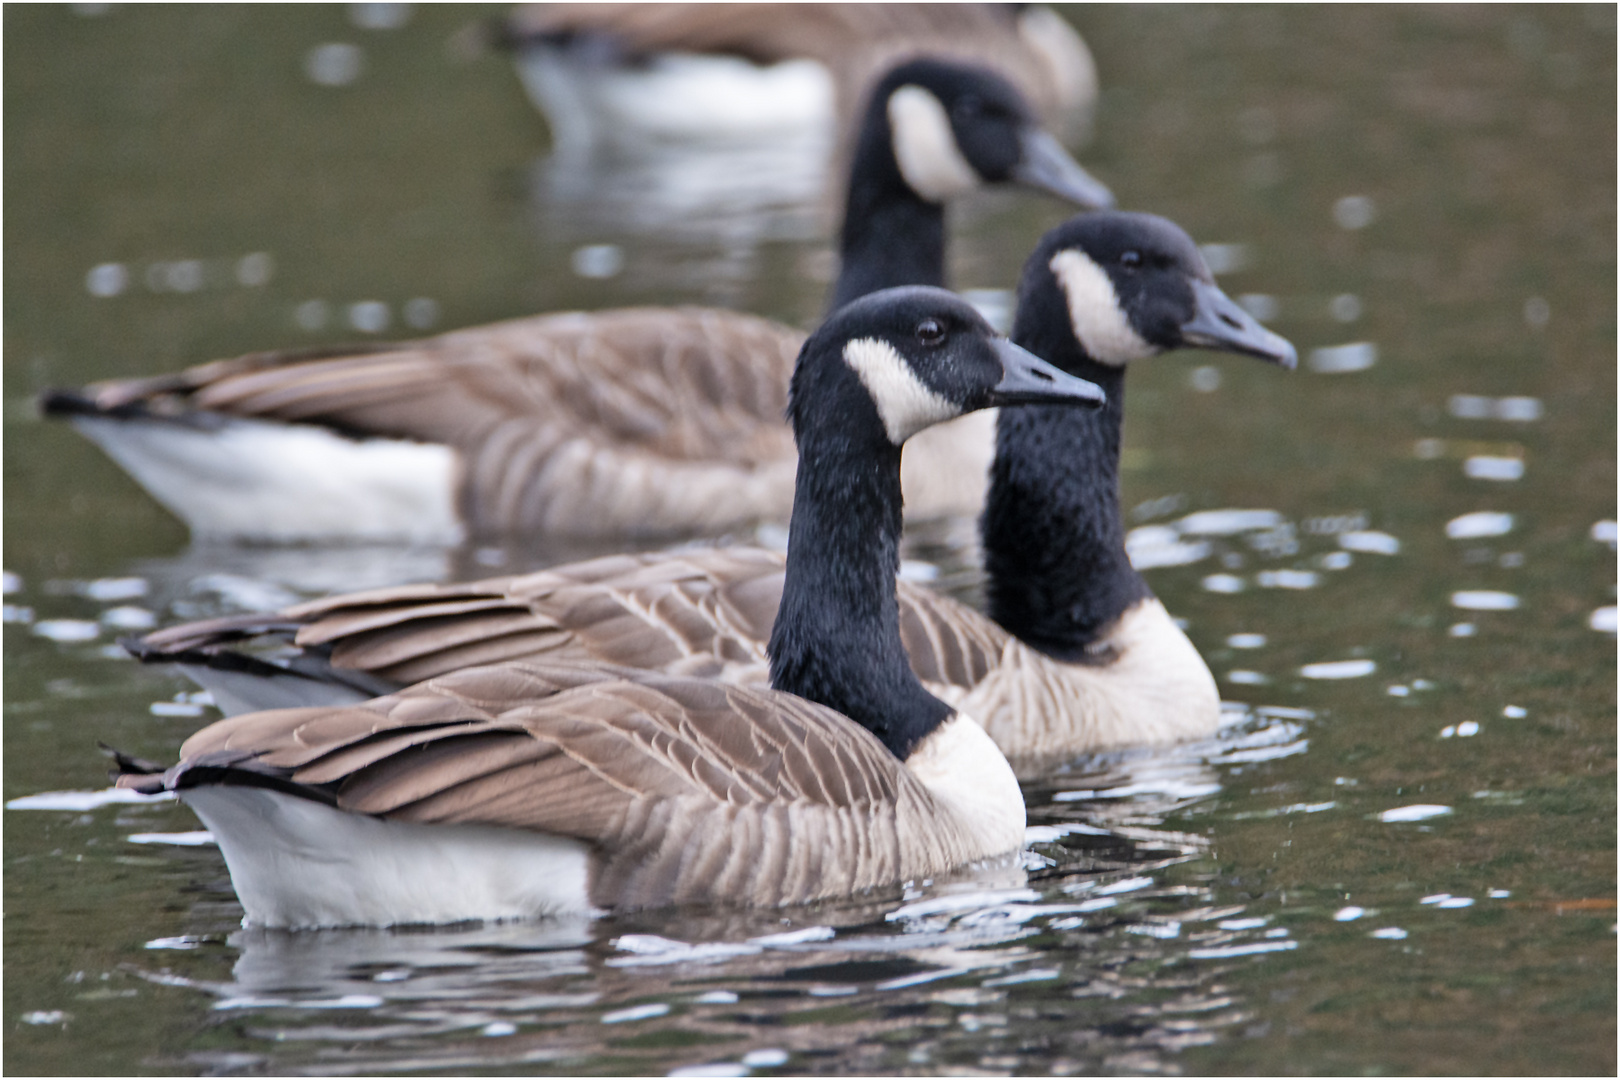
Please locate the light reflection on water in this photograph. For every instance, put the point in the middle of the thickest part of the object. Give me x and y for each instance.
(1425, 194)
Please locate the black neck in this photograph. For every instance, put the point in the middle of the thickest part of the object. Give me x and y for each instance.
(1054, 544)
(837, 635)
(892, 236)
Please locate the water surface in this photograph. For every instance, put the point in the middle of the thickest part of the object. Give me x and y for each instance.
(1398, 857)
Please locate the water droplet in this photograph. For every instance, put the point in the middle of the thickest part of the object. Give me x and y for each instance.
(108, 589)
(598, 260)
(1485, 467)
(1518, 410)
(765, 1059)
(1339, 669)
(1349, 914)
(1484, 600)
(1224, 583)
(1389, 933)
(635, 1012)
(255, 269)
(1246, 678)
(1337, 560)
(1287, 579)
(1354, 212)
(1604, 532)
(369, 316)
(128, 618)
(379, 16)
(1514, 712)
(1370, 542)
(1346, 307)
(1467, 728)
(67, 631)
(1343, 359)
(334, 64)
(1479, 524)
(1399, 691)
(1469, 406)
(1463, 629)
(498, 1029)
(1205, 379)
(1418, 812)
(1246, 641)
(1603, 620)
(106, 279)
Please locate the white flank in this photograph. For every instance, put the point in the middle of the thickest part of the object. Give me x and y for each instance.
(1099, 323)
(925, 146)
(678, 98)
(297, 863)
(959, 764)
(904, 403)
(256, 480)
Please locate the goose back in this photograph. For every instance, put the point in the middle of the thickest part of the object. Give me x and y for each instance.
(681, 790)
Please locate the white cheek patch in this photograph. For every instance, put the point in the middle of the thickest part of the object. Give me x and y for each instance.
(1100, 324)
(925, 147)
(904, 403)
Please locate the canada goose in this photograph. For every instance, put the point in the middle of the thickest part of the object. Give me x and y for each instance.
(524, 789)
(1078, 654)
(629, 73)
(638, 422)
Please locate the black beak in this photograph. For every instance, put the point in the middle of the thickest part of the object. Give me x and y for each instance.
(1219, 323)
(1026, 379)
(1046, 166)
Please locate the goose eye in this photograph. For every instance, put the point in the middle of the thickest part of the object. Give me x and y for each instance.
(969, 107)
(1131, 259)
(930, 332)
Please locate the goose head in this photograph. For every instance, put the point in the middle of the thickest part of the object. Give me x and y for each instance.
(954, 127)
(1126, 286)
(899, 360)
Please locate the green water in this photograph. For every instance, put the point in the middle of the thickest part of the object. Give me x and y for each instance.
(1476, 254)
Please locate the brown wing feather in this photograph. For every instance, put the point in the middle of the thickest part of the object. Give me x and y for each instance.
(572, 423)
(706, 612)
(685, 788)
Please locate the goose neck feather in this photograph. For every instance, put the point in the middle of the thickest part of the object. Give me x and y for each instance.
(1054, 543)
(836, 638)
(891, 235)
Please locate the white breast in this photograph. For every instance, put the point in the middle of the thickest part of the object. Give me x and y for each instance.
(1158, 690)
(972, 781)
(298, 864)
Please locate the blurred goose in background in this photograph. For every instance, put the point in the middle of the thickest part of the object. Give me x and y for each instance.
(1077, 654)
(707, 74)
(640, 422)
(519, 790)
